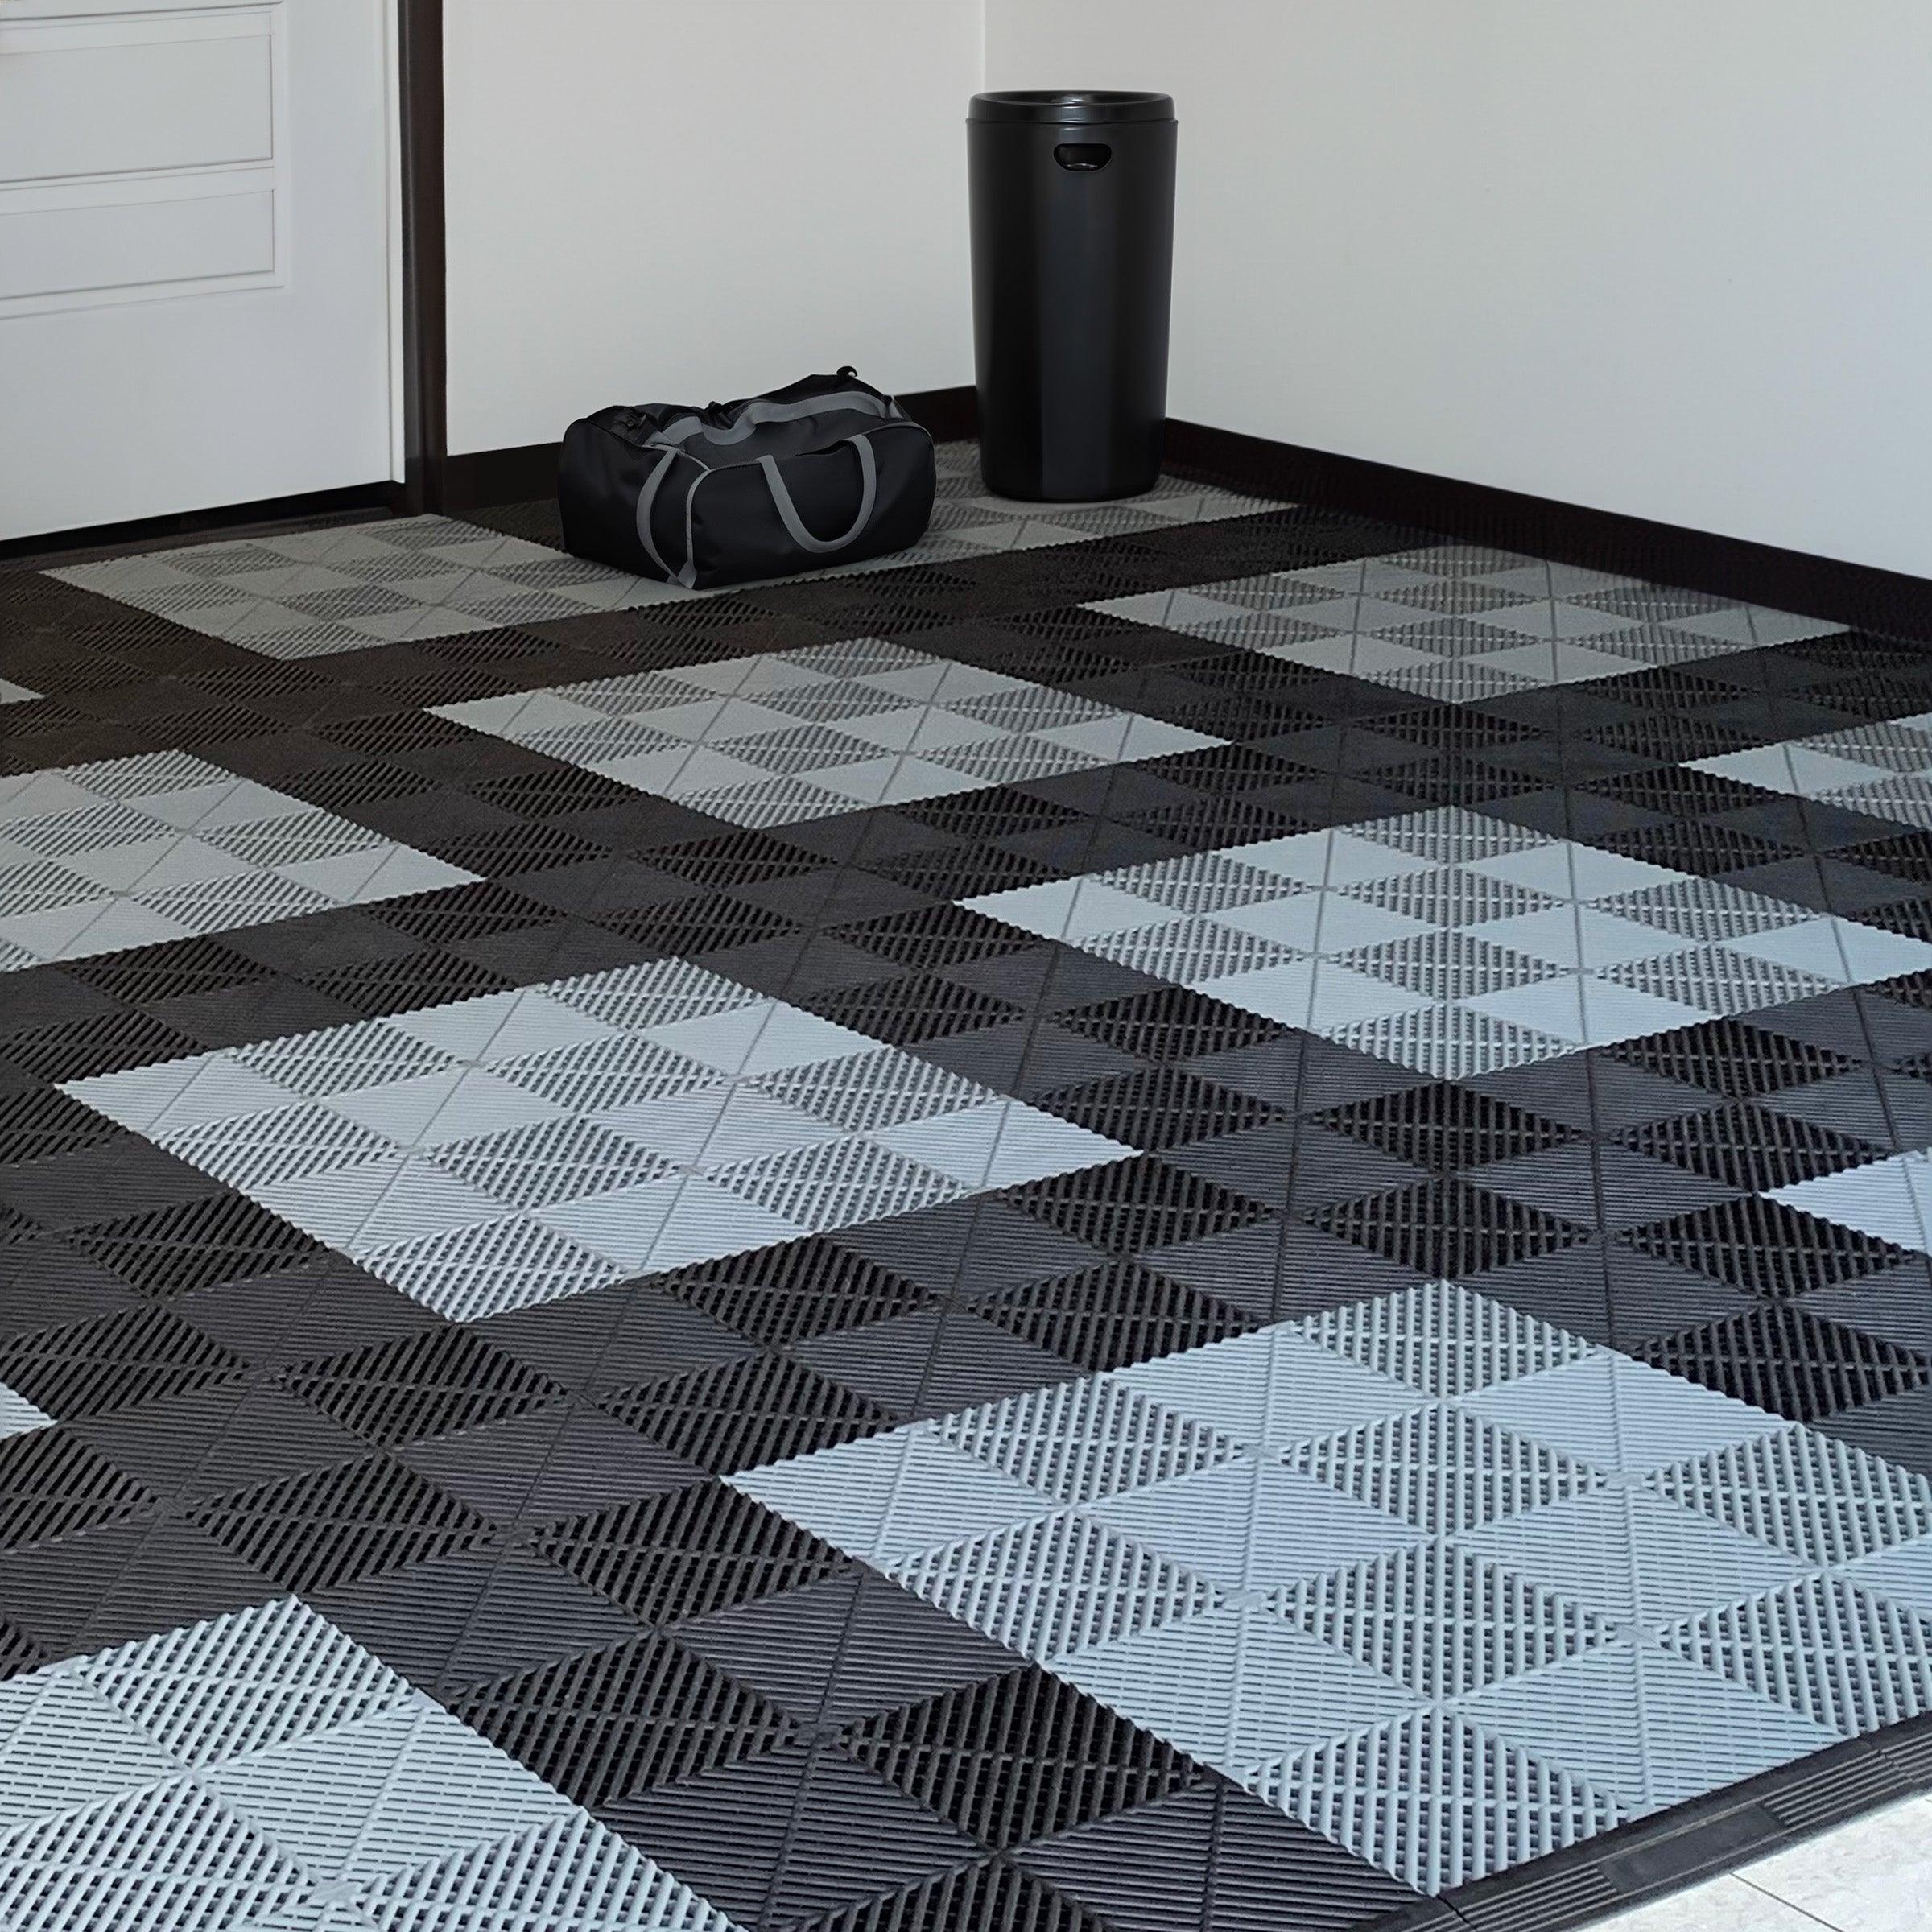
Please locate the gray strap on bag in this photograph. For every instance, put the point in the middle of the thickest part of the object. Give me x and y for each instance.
(788, 514)
(760, 409)
(646, 497)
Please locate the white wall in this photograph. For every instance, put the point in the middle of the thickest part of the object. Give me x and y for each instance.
(678, 199)
(1672, 258)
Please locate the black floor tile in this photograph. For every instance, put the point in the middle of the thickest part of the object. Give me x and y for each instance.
(1310, 1360)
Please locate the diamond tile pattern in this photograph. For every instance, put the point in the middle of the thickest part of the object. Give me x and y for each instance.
(524, 1146)
(1890, 1200)
(135, 852)
(313, 592)
(1185, 1216)
(812, 733)
(1479, 1590)
(316, 592)
(1883, 770)
(173, 1781)
(967, 522)
(1460, 623)
(1455, 942)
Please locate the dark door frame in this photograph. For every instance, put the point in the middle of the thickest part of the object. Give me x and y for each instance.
(1850, 594)
(424, 356)
(425, 316)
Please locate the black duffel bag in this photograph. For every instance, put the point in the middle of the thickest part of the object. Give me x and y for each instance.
(828, 471)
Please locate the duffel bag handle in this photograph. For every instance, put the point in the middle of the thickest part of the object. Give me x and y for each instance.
(788, 514)
(647, 497)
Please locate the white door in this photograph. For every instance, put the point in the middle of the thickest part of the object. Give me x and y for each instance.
(197, 232)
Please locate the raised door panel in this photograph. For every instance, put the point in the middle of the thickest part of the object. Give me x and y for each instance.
(198, 248)
(150, 90)
(141, 154)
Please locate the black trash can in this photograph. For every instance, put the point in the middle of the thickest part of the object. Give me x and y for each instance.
(1072, 266)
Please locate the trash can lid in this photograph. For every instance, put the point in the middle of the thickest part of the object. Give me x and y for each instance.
(1070, 106)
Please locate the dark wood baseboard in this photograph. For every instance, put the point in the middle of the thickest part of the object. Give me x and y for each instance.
(60, 547)
(480, 479)
(1855, 594)
(951, 415)
(1858, 595)
(483, 477)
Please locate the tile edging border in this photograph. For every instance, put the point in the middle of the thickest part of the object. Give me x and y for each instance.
(1650, 1858)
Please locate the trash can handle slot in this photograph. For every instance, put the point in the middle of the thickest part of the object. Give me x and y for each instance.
(1083, 157)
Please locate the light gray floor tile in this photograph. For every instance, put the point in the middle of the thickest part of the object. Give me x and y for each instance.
(135, 850)
(312, 593)
(275, 1773)
(1562, 945)
(1654, 1727)
(813, 733)
(1883, 768)
(730, 1104)
(1891, 1199)
(1425, 622)
(1435, 1640)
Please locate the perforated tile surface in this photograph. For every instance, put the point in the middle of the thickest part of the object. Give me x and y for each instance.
(1458, 622)
(134, 852)
(180, 1779)
(1453, 943)
(525, 1145)
(1889, 1199)
(813, 733)
(314, 593)
(1486, 1556)
(1178, 1216)
(1884, 769)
